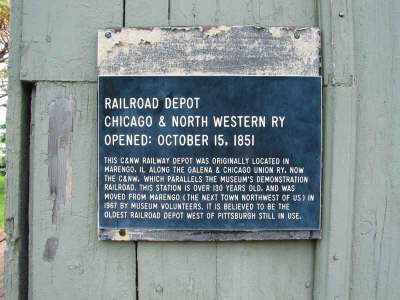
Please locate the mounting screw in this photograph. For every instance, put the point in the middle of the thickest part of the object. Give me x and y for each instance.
(341, 14)
(122, 232)
(107, 34)
(296, 35)
(308, 285)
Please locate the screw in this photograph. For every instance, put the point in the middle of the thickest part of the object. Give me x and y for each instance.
(308, 285)
(107, 34)
(341, 14)
(122, 232)
(296, 35)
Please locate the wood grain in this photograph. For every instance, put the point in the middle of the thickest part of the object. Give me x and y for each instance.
(175, 270)
(67, 260)
(59, 37)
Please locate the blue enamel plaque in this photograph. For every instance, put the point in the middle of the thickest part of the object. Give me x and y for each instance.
(229, 153)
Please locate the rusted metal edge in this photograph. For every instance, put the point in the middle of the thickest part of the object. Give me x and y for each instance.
(197, 235)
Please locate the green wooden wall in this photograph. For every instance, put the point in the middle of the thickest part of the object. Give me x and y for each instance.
(53, 251)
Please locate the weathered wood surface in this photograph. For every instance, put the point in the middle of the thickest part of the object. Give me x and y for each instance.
(166, 270)
(67, 260)
(220, 12)
(256, 270)
(333, 254)
(358, 256)
(376, 239)
(59, 37)
(212, 50)
(300, 13)
(17, 180)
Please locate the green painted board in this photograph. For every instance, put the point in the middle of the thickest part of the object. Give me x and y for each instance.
(59, 37)
(358, 256)
(66, 259)
(299, 13)
(220, 270)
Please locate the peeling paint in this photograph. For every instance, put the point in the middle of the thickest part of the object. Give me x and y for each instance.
(50, 249)
(238, 50)
(306, 48)
(191, 287)
(135, 36)
(276, 32)
(214, 31)
(159, 289)
(61, 114)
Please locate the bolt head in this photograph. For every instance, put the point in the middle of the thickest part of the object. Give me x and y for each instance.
(296, 35)
(107, 34)
(341, 14)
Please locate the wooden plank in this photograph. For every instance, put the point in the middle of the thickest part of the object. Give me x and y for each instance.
(237, 12)
(259, 259)
(177, 270)
(219, 50)
(67, 260)
(376, 244)
(17, 185)
(265, 270)
(333, 252)
(59, 37)
(166, 270)
(146, 13)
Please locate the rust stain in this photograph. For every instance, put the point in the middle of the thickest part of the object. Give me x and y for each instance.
(146, 28)
(214, 31)
(188, 28)
(50, 249)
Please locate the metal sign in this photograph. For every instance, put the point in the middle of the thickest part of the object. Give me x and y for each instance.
(209, 133)
(227, 153)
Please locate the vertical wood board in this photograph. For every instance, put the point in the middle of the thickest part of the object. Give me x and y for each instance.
(59, 37)
(333, 252)
(300, 13)
(376, 239)
(67, 260)
(17, 179)
(258, 259)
